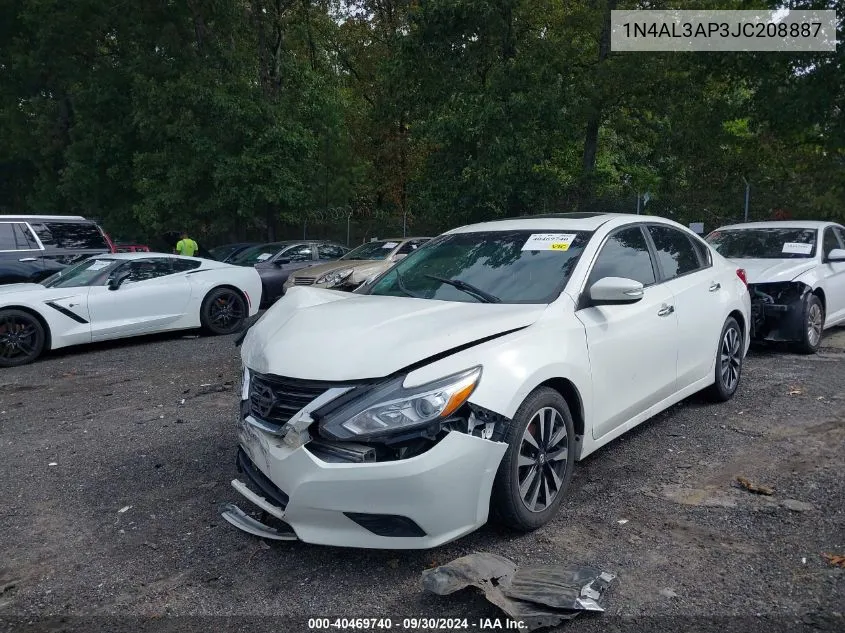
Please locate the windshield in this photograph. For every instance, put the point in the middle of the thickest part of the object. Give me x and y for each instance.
(489, 266)
(256, 254)
(764, 243)
(81, 274)
(222, 252)
(372, 250)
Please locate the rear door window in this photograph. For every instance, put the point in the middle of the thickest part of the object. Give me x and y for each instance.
(16, 236)
(330, 251)
(70, 235)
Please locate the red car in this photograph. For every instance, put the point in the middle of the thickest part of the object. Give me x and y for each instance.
(131, 248)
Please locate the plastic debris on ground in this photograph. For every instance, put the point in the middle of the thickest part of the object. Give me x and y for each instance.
(538, 595)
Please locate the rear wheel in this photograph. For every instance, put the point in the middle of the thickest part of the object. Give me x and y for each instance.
(729, 357)
(22, 338)
(535, 471)
(223, 311)
(813, 325)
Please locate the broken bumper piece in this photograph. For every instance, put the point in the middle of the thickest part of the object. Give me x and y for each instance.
(536, 596)
(240, 519)
(414, 503)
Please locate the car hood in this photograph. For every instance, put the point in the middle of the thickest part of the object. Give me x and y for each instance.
(761, 271)
(318, 334)
(12, 289)
(360, 266)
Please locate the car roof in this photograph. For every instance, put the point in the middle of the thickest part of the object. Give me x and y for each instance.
(780, 224)
(142, 255)
(559, 221)
(59, 218)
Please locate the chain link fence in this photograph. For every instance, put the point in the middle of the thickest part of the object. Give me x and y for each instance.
(703, 211)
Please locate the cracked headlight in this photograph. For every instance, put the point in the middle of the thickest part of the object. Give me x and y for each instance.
(391, 408)
(335, 277)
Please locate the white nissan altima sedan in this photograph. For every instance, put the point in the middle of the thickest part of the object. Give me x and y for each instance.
(474, 373)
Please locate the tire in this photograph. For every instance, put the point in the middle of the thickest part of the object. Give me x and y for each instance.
(223, 312)
(508, 502)
(730, 353)
(812, 326)
(22, 338)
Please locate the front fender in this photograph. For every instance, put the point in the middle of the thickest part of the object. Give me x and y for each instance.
(516, 364)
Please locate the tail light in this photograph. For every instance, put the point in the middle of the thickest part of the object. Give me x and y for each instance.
(111, 244)
(740, 272)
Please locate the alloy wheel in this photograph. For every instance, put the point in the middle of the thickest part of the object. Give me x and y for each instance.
(18, 337)
(225, 311)
(541, 463)
(730, 358)
(814, 324)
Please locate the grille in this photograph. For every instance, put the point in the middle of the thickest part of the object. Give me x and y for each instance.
(304, 281)
(275, 399)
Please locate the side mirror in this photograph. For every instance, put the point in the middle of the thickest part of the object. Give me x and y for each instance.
(117, 280)
(281, 262)
(398, 256)
(836, 255)
(616, 290)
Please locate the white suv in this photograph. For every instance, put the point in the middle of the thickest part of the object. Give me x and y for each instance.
(476, 372)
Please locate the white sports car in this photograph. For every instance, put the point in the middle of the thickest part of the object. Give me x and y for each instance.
(796, 277)
(476, 372)
(127, 294)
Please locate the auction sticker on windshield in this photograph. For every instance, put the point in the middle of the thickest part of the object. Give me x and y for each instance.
(98, 265)
(390, 245)
(797, 248)
(548, 242)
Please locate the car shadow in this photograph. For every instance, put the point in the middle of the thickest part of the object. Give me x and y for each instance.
(129, 342)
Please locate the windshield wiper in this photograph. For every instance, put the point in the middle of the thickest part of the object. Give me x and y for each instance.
(478, 293)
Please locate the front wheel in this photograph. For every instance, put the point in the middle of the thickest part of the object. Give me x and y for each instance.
(223, 311)
(22, 338)
(535, 471)
(812, 326)
(729, 357)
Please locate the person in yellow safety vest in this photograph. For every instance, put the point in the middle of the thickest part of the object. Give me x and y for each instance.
(186, 246)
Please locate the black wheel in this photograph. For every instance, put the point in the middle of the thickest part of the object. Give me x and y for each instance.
(813, 325)
(22, 338)
(223, 311)
(537, 466)
(729, 357)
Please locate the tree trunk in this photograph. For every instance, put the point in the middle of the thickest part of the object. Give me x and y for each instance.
(591, 136)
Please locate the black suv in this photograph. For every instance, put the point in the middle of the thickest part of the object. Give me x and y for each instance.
(33, 247)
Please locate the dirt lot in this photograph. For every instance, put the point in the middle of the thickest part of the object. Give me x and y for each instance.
(110, 487)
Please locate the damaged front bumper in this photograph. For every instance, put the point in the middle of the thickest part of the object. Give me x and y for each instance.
(415, 503)
(777, 310)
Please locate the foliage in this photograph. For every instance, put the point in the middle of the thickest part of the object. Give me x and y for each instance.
(242, 118)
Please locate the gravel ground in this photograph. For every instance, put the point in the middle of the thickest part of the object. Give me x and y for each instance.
(115, 459)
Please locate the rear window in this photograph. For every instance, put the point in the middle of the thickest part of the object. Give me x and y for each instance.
(70, 235)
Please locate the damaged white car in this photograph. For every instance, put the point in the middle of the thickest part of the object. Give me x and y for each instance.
(473, 375)
(796, 277)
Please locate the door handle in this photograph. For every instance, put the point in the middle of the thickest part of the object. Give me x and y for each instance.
(27, 259)
(715, 286)
(666, 310)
